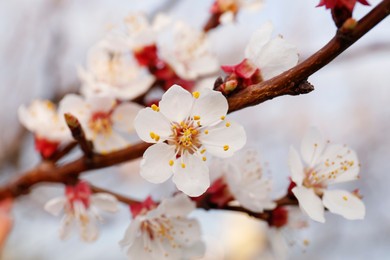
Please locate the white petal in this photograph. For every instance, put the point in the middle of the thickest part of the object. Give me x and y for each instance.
(210, 106)
(75, 105)
(226, 18)
(130, 233)
(220, 137)
(258, 41)
(148, 121)
(101, 103)
(310, 203)
(296, 167)
(344, 203)
(103, 143)
(155, 165)
(67, 224)
(105, 201)
(179, 205)
(176, 103)
(55, 206)
(194, 178)
(204, 65)
(312, 146)
(276, 57)
(124, 115)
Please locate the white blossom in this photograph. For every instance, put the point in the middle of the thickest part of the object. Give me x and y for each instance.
(42, 118)
(271, 56)
(185, 127)
(81, 210)
(112, 70)
(189, 52)
(165, 232)
(104, 121)
(324, 165)
(244, 177)
(229, 8)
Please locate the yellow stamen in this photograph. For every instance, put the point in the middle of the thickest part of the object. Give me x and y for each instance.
(171, 162)
(227, 124)
(196, 117)
(155, 108)
(152, 135)
(203, 151)
(345, 198)
(222, 117)
(226, 147)
(204, 158)
(196, 94)
(183, 165)
(206, 132)
(157, 138)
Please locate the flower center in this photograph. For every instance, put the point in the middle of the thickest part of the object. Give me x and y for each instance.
(161, 229)
(100, 123)
(186, 137)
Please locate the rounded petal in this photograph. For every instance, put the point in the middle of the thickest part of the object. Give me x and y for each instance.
(210, 106)
(296, 167)
(105, 201)
(223, 139)
(179, 205)
(310, 203)
(276, 57)
(176, 103)
(344, 203)
(148, 121)
(258, 41)
(124, 115)
(130, 233)
(107, 143)
(191, 175)
(75, 105)
(55, 206)
(101, 103)
(67, 224)
(312, 146)
(155, 165)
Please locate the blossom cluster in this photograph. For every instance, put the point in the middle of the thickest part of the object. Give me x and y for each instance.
(193, 141)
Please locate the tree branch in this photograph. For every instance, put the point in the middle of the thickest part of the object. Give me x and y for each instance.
(290, 82)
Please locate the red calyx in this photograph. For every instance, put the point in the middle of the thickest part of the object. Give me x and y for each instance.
(142, 207)
(290, 187)
(45, 147)
(81, 192)
(147, 55)
(218, 194)
(278, 217)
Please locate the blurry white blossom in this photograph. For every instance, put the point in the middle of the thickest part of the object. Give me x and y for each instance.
(81, 209)
(165, 232)
(325, 164)
(105, 121)
(185, 127)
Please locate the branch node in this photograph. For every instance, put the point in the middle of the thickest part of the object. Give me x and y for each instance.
(79, 135)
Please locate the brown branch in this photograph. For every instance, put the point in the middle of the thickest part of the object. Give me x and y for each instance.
(118, 196)
(290, 82)
(79, 135)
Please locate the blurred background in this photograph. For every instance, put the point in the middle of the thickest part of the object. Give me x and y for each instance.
(42, 42)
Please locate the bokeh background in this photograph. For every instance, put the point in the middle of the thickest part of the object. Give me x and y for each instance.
(42, 42)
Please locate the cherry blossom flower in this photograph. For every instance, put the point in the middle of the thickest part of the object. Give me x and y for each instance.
(104, 121)
(349, 4)
(265, 58)
(42, 119)
(81, 209)
(165, 232)
(191, 55)
(325, 164)
(243, 175)
(184, 127)
(112, 70)
(228, 9)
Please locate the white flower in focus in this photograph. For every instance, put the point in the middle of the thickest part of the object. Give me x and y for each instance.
(141, 33)
(325, 164)
(244, 177)
(112, 70)
(271, 56)
(189, 53)
(42, 119)
(104, 121)
(165, 232)
(81, 209)
(185, 127)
